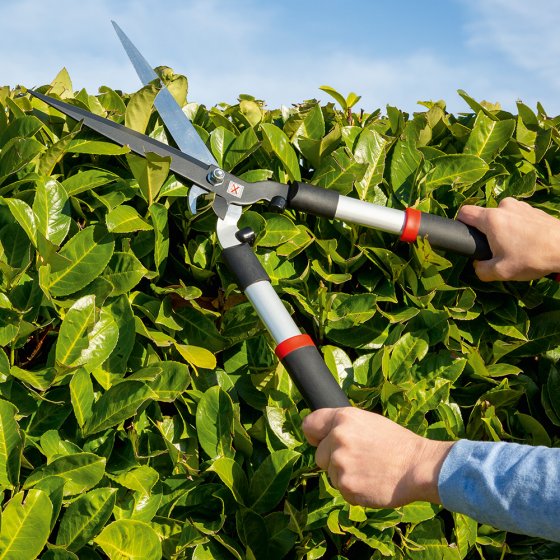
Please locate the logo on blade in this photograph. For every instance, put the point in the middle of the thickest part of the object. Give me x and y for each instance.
(235, 189)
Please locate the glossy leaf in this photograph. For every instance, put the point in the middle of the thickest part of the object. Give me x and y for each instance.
(125, 219)
(271, 480)
(11, 445)
(489, 137)
(87, 254)
(85, 518)
(117, 404)
(214, 423)
(86, 338)
(128, 539)
(25, 525)
(280, 145)
(80, 472)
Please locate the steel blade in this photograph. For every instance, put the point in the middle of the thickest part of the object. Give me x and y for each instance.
(182, 164)
(227, 186)
(178, 124)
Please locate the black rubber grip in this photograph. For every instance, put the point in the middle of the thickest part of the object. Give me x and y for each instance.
(314, 200)
(314, 379)
(454, 235)
(245, 265)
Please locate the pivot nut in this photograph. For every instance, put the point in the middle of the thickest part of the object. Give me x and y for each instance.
(216, 176)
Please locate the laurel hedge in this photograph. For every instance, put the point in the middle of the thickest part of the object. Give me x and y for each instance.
(143, 413)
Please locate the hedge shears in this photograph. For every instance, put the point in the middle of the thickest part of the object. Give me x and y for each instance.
(194, 163)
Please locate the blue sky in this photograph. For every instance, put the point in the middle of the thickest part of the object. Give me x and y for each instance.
(389, 52)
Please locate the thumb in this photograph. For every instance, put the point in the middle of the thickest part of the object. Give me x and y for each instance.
(473, 216)
(486, 270)
(317, 425)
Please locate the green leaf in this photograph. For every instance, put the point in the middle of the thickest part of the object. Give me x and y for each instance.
(279, 229)
(456, 169)
(232, 475)
(140, 479)
(151, 172)
(124, 271)
(88, 180)
(128, 539)
(214, 423)
(85, 338)
(221, 140)
(80, 472)
(11, 445)
(405, 163)
(85, 518)
(87, 254)
(279, 144)
(173, 379)
(158, 213)
(398, 359)
(81, 395)
(52, 214)
(16, 154)
(139, 108)
(125, 219)
(120, 310)
(489, 137)
(271, 480)
(25, 525)
(25, 126)
(197, 356)
(335, 95)
(117, 404)
(24, 216)
(96, 147)
(339, 171)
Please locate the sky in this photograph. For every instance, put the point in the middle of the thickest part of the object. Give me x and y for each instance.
(391, 52)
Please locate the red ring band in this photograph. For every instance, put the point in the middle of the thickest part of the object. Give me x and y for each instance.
(411, 225)
(294, 343)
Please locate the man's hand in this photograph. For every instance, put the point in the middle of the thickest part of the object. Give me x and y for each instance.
(373, 461)
(525, 241)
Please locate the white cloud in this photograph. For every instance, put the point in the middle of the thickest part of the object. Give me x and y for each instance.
(526, 33)
(248, 47)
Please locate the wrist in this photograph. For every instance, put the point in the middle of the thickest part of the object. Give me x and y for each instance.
(426, 468)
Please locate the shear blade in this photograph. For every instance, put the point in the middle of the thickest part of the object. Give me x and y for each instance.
(194, 193)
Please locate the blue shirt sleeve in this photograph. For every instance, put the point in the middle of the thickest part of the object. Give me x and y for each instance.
(507, 485)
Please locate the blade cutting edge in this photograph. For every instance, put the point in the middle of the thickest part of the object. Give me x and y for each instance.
(179, 125)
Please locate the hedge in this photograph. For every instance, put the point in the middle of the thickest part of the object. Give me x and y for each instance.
(143, 412)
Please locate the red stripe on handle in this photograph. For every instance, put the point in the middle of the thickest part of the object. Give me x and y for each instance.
(290, 344)
(557, 277)
(411, 225)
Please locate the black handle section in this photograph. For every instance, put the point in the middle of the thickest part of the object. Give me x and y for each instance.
(314, 379)
(314, 200)
(244, 264)
(456, 236)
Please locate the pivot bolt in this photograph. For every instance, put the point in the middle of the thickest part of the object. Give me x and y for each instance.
(216, 176)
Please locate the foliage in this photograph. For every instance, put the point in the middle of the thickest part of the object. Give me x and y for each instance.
(143, 411)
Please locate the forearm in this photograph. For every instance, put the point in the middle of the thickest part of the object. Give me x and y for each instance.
(510, 486)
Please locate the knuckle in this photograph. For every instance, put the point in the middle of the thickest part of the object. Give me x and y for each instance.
(503, 271)
(338, 460)
(508, 202)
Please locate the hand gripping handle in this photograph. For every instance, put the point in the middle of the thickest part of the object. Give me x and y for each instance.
(442, 233)
(445, 233)
(297, 352)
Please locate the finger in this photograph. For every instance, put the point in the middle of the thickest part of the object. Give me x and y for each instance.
(486, 270)
(473, 216)
(317, 425)
(323, 454)
(332, 473)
